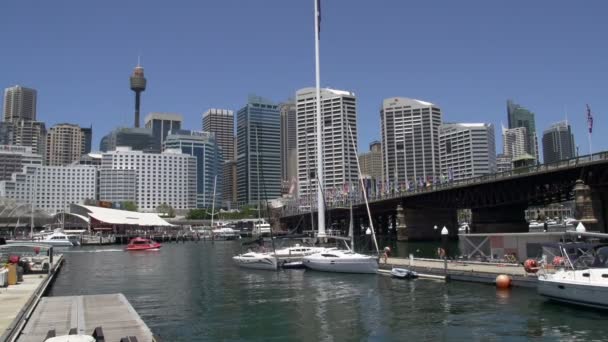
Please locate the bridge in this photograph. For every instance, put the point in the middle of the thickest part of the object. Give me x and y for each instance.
(497, 201)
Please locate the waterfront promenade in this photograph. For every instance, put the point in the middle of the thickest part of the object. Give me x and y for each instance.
(19, 300)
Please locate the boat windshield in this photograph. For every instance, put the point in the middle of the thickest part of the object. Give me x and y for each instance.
(140, 242)
(601, 258)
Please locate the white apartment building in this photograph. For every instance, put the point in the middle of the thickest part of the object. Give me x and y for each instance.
(338, 112)
(514, 142)
(52, 188)
(168, 177)
(13, 158)
(467, 150)
(410, 139)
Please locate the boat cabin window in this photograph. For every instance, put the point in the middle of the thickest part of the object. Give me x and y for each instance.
(329, 255)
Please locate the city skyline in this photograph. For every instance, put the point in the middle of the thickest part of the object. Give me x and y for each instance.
(547, 73)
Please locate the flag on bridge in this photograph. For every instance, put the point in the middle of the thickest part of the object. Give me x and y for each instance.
(589, 119)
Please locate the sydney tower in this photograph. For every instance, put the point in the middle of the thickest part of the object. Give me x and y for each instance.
(138, 84)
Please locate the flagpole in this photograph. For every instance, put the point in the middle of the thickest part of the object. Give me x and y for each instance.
(320, 204)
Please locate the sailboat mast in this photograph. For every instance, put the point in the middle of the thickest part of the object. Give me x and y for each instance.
(33, 201)
(320, 202)
(213, 202)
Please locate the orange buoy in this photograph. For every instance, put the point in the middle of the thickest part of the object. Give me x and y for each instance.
(558, 261)
(503, 281)
(531, 266)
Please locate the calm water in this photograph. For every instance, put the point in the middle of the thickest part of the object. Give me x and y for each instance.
(193, 292)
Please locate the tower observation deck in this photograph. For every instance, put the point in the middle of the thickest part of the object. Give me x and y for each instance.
(138, 84)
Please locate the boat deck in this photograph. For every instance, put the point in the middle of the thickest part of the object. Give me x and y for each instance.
(112, 312)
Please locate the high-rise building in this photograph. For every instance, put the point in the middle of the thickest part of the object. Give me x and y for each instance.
(138, 85)
(410, 140)
(504, 163)
(514, 142)
(371, 162)
(161, 125)
(519, 116)
(52, 188)
(65, 143)
(338, 112)
(221, 123)
(88, 138)
(161, 178)
(209, 163)
(31, 134)
(259, 151)
(13, 158)
(558, 142)
(467, 150)
(289, 141)
(138, 139)
(19, 103)
(6, 133)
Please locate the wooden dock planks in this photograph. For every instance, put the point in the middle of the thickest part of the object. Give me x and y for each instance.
(112, 312)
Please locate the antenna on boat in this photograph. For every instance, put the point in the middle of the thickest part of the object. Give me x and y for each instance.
(369, 214)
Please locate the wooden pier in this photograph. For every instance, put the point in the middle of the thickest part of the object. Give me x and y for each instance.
(112, 312)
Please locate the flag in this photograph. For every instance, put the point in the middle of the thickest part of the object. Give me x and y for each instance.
(319, 18)
(589, 119)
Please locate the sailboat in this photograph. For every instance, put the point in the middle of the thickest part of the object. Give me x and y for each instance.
(344, 261)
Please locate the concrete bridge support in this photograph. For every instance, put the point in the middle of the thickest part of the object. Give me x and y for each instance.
(418, 223)
(503, 219)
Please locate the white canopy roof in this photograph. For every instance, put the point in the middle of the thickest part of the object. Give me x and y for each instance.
(114, 216)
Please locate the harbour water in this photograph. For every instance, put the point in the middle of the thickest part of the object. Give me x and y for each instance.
(193, 292)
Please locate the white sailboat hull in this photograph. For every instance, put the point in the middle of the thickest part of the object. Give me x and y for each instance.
(256, 261)
(341, 263)
(574, 288)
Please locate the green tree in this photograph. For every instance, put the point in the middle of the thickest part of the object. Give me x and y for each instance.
(198, 214)
(166, 210)
(130, 206)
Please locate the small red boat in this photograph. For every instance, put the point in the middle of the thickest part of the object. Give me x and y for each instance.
(141, 244)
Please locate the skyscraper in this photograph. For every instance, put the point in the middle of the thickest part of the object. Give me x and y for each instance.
(519, 116)
(161, 125)
(558, 142)
(19, 103)
(514, 142)
(339, 112)
(88, 137)
(138, 85)
(209, 162)
(65, 143)
(259, 151)
(138, 139)
(289, 162)
(410, 139)
(467, 150)
(371, 162)
(29, 133)
(220, 122)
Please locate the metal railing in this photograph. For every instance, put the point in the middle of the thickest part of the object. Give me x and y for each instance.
(355, 199)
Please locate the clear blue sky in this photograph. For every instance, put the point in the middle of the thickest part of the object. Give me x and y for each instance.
(466, 56)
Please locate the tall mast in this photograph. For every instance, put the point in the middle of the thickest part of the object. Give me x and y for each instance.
(320, 200)
(213, 202)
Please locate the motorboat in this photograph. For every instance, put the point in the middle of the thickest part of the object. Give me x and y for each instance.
(261, 227)
(403, 273)
(57, 239)
(142, 244)
(581, 282)
(342, 261)
(225, 233)
(254, 260)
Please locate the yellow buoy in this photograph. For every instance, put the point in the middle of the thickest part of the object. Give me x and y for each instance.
(503, 281)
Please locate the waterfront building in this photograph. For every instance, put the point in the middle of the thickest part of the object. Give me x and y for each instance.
(118, 185)
(19, 104)
(161, 125)
(229, 184)
(338, 112)
(168, 177)
(503, 163)
(558, 142)
(13, 158)
(519, 116)
(6, 133)
(29, 133)
(514, 142)
(53, 188)
(371, 162)
(410, 140)
(138, 85)
(259, 151)
(65, 143)
(209, 163)
(139, 139)
(467, 150)
(90, 159)
(289, 141)
(220, 122)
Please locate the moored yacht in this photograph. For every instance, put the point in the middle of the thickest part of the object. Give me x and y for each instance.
(57, 239)
(254, 260)
(341, 261)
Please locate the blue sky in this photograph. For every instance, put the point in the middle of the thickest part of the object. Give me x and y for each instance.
(468, 57)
